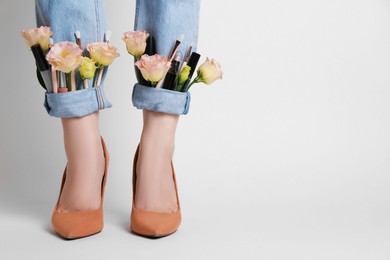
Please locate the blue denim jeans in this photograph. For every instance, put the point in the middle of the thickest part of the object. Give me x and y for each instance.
(165, 20)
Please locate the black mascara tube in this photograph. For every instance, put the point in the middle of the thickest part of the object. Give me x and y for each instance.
(192, 63)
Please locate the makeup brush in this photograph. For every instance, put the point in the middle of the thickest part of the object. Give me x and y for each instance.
(172, 55)
(107, 36)
(176, 47)
(77, 34)
(186, 58)
(53, 71)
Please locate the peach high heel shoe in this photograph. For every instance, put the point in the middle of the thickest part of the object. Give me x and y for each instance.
(149, 223)
(78, 224)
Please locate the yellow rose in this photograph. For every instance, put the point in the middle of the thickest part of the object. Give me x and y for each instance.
(103, 53)
(185, 72)
(87, 68)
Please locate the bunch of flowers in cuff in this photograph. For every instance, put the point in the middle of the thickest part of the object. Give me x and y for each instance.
(66, 57)
(153, 68)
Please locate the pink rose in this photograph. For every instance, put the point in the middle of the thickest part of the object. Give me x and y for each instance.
(102, 52)
(64, 56)
(209, 72)
(153, 68)
(39, 36)
(135, 42)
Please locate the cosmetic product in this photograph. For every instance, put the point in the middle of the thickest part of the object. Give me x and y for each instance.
(186, 58)
(50, 44)
(170, 78)
(78, 39)
(150, 48)
(43, 66)
(176, 47)
(54, 80)
(192, 63)
(107, 36)
(72, 81)
(100, 77)
(62, 82)
(53, 71)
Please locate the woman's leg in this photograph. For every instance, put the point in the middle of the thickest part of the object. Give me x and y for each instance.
(165, 20)
(155, 187)
(83, 147)
(84, 172)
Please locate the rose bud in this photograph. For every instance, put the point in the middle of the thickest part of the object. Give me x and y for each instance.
(209, 71)
(185, 72)
(87, 68)
(135, 42)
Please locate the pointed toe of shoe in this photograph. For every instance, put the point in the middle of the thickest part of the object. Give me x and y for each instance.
(154, 224)
(77, 224)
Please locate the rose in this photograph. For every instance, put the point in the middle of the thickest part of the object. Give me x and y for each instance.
(135, 42)
(183, 77)
(64, 56)
(209, 72)
(103, 53)
(153, 68)
(185, 72)
(87, 68)
(39, 36)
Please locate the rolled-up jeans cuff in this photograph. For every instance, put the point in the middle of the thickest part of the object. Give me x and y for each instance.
(76, 103)
(161, 100)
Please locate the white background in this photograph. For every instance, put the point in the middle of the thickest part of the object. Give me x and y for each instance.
(288, 157)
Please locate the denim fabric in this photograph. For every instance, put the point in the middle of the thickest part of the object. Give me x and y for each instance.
(76, 103)
(161, 100)
(163, 19)
(65, 17)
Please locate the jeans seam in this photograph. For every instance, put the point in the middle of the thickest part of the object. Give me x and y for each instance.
(97, 20)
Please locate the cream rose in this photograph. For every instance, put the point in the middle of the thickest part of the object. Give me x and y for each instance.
(209, 72)
(64, 56)
(153, 68)
(39, 36)
(103, 53)
(135, 42)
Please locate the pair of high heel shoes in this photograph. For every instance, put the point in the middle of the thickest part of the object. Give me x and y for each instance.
(78, 224)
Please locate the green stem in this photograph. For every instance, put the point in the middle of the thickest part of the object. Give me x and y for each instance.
(196, 80)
